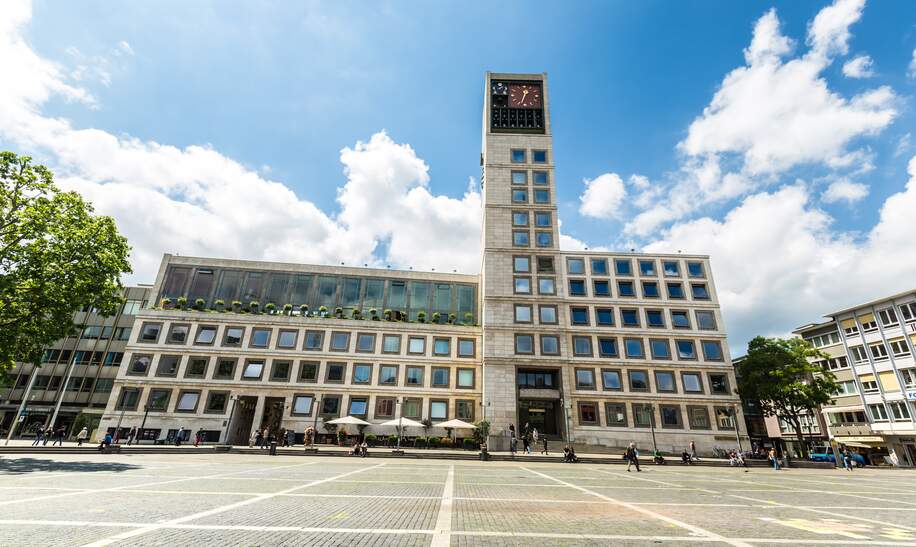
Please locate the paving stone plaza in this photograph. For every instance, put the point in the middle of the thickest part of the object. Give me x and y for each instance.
(235, 499)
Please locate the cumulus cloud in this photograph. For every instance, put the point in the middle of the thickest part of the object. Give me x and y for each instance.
(603, 196)
(844, 190)
(197, 201)
(858, 67)
(912, 68)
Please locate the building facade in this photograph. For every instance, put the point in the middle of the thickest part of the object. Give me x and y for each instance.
(597, 348)
(78, 372)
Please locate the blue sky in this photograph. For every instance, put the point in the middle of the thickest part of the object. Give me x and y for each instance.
(279, 91)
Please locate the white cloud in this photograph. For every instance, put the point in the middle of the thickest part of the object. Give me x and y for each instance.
(903, 145)
(844, 190)
(768, 44)
(911, 70)
(124, 49)
(196, 201)
(859, 67)
(828, 33)
(603, 196)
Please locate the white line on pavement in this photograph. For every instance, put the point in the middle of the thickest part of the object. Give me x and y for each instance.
(442, 537)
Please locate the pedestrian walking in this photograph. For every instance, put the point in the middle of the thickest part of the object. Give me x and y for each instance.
(544, 441)
(59, 436)
(179, 436)
(47, 436)
(847, 459)
(774, 459)
(82, 436)
(535, 436)
(197, 438)
(526, 444)
(693, 451)
(131, 436)
(290, 437)
(513, 441)
(259, 439)
(632, 457)
(39, 436)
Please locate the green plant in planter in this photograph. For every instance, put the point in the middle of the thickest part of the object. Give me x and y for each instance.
(421, 316)
(469, 443)
(469, 318)
(482, 431)
(355, 314)
(270, 308)
(370, 439)
(200, 304)
(236, 305)
(165, 303)
(451, 318)
(392, 440)
(388, 314)
(436, 317)
(287, 309)
(433, 442)
(338, 312)
(220, 305)
(323, 310)
(304, 310)
(341, 436)
(182, 302)
(373, 314)
(254, 305)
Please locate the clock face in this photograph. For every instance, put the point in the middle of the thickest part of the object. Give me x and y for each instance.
(524, 95)
(500, 88)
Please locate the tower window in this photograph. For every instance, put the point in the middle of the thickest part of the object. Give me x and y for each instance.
(517, 155)
(539, 156)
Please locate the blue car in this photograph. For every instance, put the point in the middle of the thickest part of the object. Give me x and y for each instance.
(825, 454)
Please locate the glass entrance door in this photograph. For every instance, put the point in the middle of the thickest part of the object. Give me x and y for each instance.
(540, 415)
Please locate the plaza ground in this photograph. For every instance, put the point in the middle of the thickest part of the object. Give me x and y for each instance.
(241, 499)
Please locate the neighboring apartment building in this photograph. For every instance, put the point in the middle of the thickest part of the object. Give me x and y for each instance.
(80, 368)
(600, 348)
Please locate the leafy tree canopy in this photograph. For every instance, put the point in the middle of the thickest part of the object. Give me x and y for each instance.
(56, 257)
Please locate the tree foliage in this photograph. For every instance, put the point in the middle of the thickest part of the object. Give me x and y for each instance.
(56, 257)
(778, 374)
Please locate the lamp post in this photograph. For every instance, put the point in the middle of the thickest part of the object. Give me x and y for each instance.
(315, 425)
(737, 434)
(400, 412)
(143, 424)
(652, 426)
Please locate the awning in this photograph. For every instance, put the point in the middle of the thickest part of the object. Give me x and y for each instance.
(848, 323)
(855, 444)
(867, 318)
(861, 440)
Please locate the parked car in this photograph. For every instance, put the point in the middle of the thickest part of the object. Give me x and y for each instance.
(825, 454)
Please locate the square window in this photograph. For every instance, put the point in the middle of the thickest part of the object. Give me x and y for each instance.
(680, 319)
(384, 407)
(604, 317)
(517, 155)
(464, 410)
(695, 269)
(607, 347)
(601, 287)
(302, 405)
(330, 405)
(664, 382)
(149, 333)
(539, 156)
(699, 292)
(610, 380)
(522, 313)
(671, 417)
(647, 268)
(623, 266)
(308, 372)
(686, 349)
(314, 340)
(416, 345)
(548, 315)
(524, 344)
(412, 408)
(335, 373)
(519, 218)
(629, 317)
(582, 346)
(139, 365)
(546, 285)
(545, 264)
(541, 196)
(233, 336)
(579, 315)
(253, 370)
(217, 401)
(466, 347)
(287, 339)
(542, 219)
(438, 410)
(575, 266)
(706, 320)
(168, 365)
(129, 399)
(440, 377)
(671, 269)
(466, 378)
(340, 341)
(650, 289)
(675, 290)
(206, 335)
(442, 346)
(388, 375)
(178, 334)
(699, 417)
(599, 266)
(585, 378)
(413, 376)
(359, 406)
(197, 367)
(634, 348)
(692, 383)
(712, 350)
(521, 264)
(187, 401)
(522, 285)
(639, 380)
(520, 238)
(362, 373)
(225, 369)
(519, 177)
(519, 196)
(391, 343)
(280, 370)
(655, 318)
(643, 415)
(540, 177)
(550, 344)
(158, 399)
(259, 338)
(576, 287)
(616, 414)
(543, 239)
(660, 349)
(625, 288)
(365, 342)
(588, 413)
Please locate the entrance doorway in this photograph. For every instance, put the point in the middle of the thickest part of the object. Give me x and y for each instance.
(273, 414)
(542, 415)
(242, 420)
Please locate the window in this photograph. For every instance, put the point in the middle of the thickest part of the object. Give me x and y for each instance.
(650, 289)
(846, 388)
(601, 288)
(623, 266)
(391, 343)
(259, 338)
(149, 333)
(686, 349)
(466, 347)
(412, 408)
(588, 413)
(604, 317)
(524, 344)
(699, 292)
(888, 317)
(362, 373)
(607, 347)
(908, 311)
(712, 350)
(388, 375)
(308, 372)
(139, 365)
(225, 369)
(837, 363)
(302, 405)
(655, 318)
(869, 385)
(416, 345)
(599, 266)
(520, 238)
(158, 400)
(546, 285)
(442, 347)
(279, 371)
(579, 315)
(625, 288)
(582, 346)
(359, 406)
(465, 378)
(519, 218)
(519, 177)
(365, 342)
(550, 344)
(384, 407)
(287, 339)
(699, 417)
(543, 239)
(545, 264)
(647, 268)
(521, 264)
(660, 349)
(517, 155)
(671, 269)
(610, 380)
(576, 287)
(187, 401)
(519, 196)
(314, 340)
(718, 384)
(706, 320)
(438, 410)
(547, 314)
(878, 351)
(439, 377)
(330, 405)
(643, 415)
(539, 156)
(671, 417)
(253, 370)
(629, 317)
(675, 290)
(464, 410)
(899, 348)
(878, 412)
(197, 367)
(909, 377)
(168, 365)
(859, 354)
(664, 382)
(217, 401)
(542, 219)
(724, 418)
(335, 373)
(634, 348)
(129, 399)
(575, 266)
(522, 285)
(233, 336)
(899, 410)
(695, 269)
(616, 414)
(178, 334)
(414, 376)
(639, 380)
(340, 341)
(540, 177)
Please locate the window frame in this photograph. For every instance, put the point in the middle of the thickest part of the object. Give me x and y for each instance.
(448, 377)
(381, 369)
(618, 372)
(210, 394)
(335, 333)
(312, 403)
(143, 327)
(458, 372)
(187, 336)
(410, 339)
(580, 405)
(225, 340)
(282, 332)
(363, 336)
(386, 337)
(327, 372)
(523, 335)
(308, 334)
(585, 387)
(257, 330)
(181, 394)
(407, 369)
(645, 372)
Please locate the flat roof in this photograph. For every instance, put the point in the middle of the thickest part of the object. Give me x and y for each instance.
(871, 303)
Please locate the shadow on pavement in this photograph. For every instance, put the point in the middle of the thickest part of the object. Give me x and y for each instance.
(20, 466)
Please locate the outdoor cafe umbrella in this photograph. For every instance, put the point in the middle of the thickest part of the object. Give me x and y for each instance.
(348, 420)
(401, 423)
(456, 424)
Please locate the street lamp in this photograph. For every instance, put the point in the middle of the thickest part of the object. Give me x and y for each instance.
(315, 426)
(652, 427)
(737, 434)
(400, 412)
(143, 424)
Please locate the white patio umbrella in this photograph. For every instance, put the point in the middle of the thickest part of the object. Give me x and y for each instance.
(348, 420)
(456, 424)
(402, 422)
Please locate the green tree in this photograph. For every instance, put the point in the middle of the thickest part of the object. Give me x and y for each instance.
(56, 257)
(778, 374)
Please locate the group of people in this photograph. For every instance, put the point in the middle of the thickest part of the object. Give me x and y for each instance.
(529, 436)
(262, 438)
(359, 449)
(43, 435)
